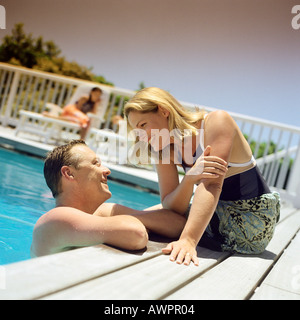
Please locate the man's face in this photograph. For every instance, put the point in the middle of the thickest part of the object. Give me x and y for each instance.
(91, 174)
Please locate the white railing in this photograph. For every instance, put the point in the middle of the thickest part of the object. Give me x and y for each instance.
(28, 89)
(279, 159)
(276, 147)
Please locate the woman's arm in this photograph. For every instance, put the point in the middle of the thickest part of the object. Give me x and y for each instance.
(220, 131)
(95, 107)
(176, 196)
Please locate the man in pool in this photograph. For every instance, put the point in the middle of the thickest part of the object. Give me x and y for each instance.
(78, 182)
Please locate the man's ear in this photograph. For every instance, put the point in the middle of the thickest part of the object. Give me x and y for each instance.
(165, 113)
(67, 172)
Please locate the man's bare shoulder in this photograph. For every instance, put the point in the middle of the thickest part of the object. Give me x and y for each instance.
(50, 224)
(58, 214)
(64, 228)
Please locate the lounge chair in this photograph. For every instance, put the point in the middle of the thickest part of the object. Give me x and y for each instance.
(46, 127)
(49, 125)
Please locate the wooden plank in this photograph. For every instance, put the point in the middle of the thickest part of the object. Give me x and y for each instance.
(130, 272)
(34, 278)
(285, 276)
(286, 211)
(267, 292)
(151, 279)
(238, 276)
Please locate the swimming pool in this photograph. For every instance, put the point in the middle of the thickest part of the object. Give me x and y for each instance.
(24, 197)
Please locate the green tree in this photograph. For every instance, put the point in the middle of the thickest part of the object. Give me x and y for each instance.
(141, 85)
(22, 49)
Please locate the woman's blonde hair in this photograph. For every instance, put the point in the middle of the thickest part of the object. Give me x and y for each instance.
(148, 100)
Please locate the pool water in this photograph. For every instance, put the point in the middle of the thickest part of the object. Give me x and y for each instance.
(24, 197)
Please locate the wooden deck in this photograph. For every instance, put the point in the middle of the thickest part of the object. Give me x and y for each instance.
(104, 273)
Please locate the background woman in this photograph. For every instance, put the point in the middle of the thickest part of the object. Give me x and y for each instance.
(77, 112)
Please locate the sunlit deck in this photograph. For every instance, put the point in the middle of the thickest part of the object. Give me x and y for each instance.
(103, 272)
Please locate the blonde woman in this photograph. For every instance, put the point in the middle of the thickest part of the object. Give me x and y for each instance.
(233, 212)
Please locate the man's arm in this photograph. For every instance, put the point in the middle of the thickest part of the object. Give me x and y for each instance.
(63, 228)
(161, 221)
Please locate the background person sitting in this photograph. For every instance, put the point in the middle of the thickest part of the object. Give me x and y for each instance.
(77, 112)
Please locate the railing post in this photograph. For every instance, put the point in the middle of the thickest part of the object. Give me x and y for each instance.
(294, 183)
(12, 93)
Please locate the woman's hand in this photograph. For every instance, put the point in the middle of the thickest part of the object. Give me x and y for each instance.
(182, 251)
(207, 167)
